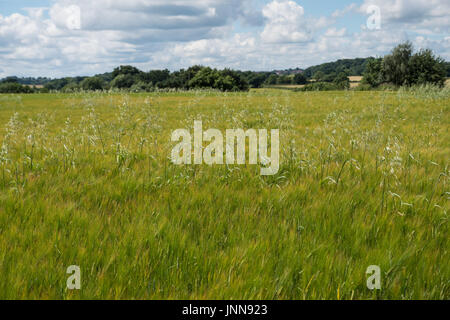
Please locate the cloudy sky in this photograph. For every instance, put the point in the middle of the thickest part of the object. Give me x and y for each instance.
(67, 37)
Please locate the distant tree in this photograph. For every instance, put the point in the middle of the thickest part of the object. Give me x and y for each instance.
(342, 81)
(124, 81)
(11, 80)
(155, 77)
(58, 84)
(239, 82)
(272, 79)
(284, 80)
(14, 87)
(178, 79)
(106, 77)
(373, 75)
(71, 87)
(190, 73)
(319, 76)
(205, 78)
(330, 77)
(92, 84)
(402, 67)
(425, 67)
(396, 65)
(224, 80)
(224, 83)
(300, 78)
(125, 70)
(255, 79)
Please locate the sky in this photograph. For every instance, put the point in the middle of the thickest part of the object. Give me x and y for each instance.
(57, 38)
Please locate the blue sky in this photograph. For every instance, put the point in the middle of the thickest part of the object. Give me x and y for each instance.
(8, 7)
(68, 37)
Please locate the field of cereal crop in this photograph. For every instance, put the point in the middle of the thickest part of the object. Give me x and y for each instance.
(87, 180)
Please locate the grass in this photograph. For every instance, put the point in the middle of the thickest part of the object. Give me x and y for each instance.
(85, 179)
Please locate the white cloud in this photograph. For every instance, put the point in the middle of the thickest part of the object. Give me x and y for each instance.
(286, 23)
(430, 14)
(148, 14)
(342, 12)
(333, 32)
(178, 33)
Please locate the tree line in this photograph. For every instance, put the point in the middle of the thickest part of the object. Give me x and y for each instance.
(132, 79)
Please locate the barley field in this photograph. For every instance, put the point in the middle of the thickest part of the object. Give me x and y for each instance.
(86, 179)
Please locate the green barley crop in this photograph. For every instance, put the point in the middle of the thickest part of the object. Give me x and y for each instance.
(86, 179)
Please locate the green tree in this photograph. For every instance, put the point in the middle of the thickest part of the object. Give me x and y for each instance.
(57, 84)
(92, 84)
(284, 80)
(256, 80)
(155, 77)
(319, 76)
(300, 78)
(71, 87)
(126, 70)
(239, 82)
(190, 73)
(396, 65)
(224, 83)
(342, 81)
(330, 77)
(205, 78)
(272, 79)
(11, 80)
(123, 81)
(425, 67)
(373, 75)
(14, 87)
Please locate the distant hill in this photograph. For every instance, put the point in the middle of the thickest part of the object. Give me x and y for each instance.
(28, 81)
(41, 81)
(58, 84)
(352, 67)
(288, 72)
